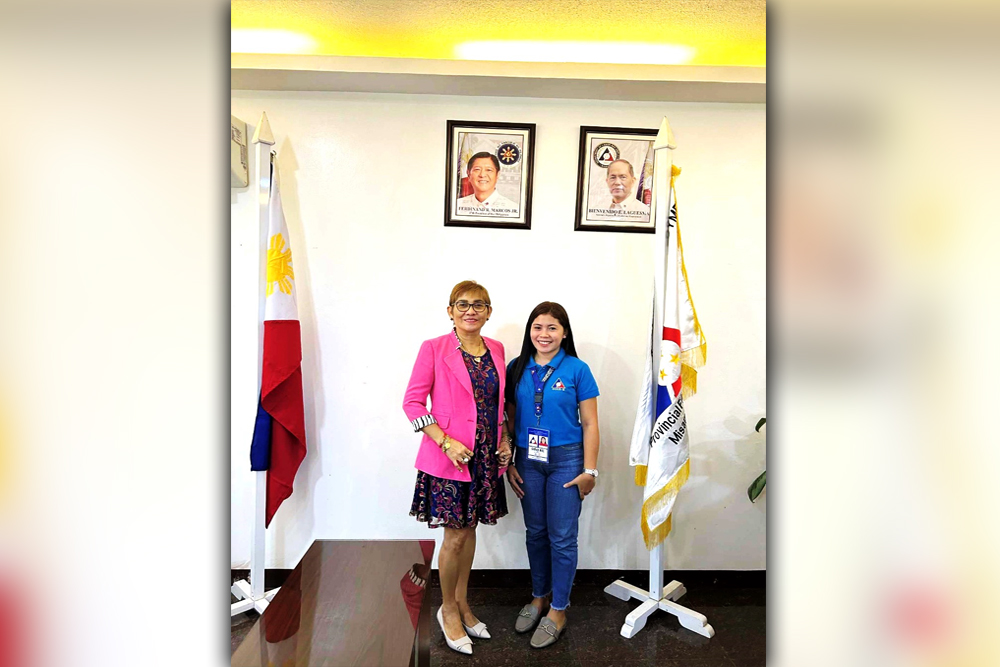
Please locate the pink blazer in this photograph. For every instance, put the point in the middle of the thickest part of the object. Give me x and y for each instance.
(440, 373)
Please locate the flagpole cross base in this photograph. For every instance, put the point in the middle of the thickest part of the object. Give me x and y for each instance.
(247, 602)
(636, 620)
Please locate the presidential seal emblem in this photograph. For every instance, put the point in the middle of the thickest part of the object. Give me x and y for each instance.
(605, 154)
(508, 154)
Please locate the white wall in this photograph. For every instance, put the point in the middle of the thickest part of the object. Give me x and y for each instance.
(362, 183)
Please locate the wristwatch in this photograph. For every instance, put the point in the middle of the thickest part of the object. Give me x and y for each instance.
(591, 471)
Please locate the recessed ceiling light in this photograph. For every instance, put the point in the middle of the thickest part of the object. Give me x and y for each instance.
(270, 41)
(626, 53)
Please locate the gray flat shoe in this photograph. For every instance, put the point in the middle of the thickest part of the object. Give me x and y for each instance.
(546, 634)
(527, 618)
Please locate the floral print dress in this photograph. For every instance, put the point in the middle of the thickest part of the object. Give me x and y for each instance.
(456, 504)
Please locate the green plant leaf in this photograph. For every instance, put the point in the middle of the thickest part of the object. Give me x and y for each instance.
(755, 489)
(759, 424)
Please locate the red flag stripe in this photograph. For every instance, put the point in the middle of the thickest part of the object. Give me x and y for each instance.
(673, 335)
(281, 397)
(287, 453)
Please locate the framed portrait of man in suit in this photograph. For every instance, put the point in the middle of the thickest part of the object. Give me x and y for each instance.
(615, 180)
(488, 174)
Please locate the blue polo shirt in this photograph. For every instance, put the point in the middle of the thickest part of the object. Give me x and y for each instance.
(571, 383)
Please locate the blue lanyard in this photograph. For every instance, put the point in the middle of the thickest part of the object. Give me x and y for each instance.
(539, 389)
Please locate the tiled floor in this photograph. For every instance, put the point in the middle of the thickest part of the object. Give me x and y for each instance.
(592, 635)
(736, 609)
(241, 625)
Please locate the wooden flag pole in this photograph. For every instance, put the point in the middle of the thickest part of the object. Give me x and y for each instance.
(251, 594)
(658, 596)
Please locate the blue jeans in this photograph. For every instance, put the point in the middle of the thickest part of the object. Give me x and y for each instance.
(551, 517)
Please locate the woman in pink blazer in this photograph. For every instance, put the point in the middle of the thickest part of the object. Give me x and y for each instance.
(464, 451)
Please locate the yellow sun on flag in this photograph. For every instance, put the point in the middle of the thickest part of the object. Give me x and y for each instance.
(279, 266)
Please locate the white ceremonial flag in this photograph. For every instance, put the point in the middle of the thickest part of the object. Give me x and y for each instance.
(659, 449)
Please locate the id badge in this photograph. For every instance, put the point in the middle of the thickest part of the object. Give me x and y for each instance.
(538, 445)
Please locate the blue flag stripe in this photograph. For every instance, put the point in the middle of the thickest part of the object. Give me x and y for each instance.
(260, 446)
(662, 399)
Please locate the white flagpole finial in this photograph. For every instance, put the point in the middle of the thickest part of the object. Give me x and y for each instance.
(665, 137)
(262, 135)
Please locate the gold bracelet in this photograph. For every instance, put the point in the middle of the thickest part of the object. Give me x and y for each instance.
(445, 443)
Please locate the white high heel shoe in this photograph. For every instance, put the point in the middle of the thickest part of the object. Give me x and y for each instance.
(478, 631)
(462, 645)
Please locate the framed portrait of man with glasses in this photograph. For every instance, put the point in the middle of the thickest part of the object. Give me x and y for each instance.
(614, 188)
(488, 174)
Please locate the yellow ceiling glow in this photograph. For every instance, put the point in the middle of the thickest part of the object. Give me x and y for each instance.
(619, 53)
(679, 32)
(270, 41)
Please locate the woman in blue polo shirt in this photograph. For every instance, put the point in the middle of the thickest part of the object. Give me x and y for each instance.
(552, 396)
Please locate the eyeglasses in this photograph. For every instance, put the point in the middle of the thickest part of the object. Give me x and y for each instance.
(478, 306)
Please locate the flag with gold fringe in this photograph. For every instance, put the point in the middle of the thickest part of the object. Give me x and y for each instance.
(659, 449)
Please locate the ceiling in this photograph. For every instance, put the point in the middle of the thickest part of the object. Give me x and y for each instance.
(671, 32)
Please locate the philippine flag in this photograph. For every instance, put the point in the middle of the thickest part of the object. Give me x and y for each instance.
(279, 434)
(464, 153)
(644, 192)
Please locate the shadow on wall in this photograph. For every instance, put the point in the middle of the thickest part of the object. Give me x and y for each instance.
(715, 494)
(296, 529)
(615, 506)
(510, 529)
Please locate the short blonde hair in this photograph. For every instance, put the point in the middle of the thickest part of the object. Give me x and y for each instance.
(470, 287)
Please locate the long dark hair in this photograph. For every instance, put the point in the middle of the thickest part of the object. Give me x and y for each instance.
(528, 349)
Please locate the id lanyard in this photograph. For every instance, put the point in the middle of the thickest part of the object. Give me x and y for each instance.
(539, 388)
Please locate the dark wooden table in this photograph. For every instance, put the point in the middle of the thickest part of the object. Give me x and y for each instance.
(344, 604)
